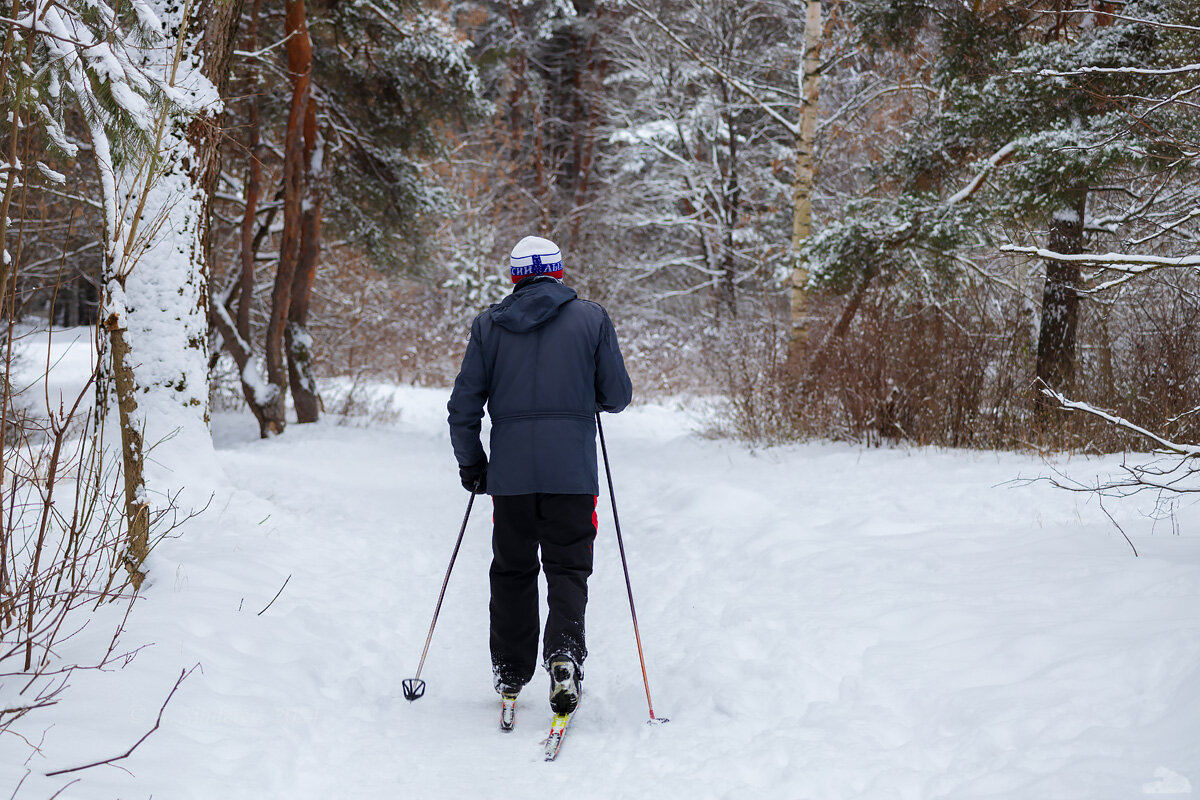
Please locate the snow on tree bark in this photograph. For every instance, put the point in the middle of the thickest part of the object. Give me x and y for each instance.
(155, 277)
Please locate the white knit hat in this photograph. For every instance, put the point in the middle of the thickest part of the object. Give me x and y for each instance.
(534, 255)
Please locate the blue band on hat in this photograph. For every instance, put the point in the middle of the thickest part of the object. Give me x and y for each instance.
(537, 266)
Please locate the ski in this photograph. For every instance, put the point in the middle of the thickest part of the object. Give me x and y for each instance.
(558, 729)
(508, 712)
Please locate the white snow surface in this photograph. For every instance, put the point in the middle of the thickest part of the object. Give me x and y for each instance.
(819, 621)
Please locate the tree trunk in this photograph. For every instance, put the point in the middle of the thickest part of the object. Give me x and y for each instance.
(254, 185)
(299, 343)
(516, 131)
(731, 198)
(308, 246)
(12, 179)
(137, 510)
(235, 331)
(299, 51)
(155, 273)
(590, 78)
(816, 364)
(802, 186)
(1060, 299)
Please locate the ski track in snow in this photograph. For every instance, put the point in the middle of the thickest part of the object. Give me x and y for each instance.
(819, 621)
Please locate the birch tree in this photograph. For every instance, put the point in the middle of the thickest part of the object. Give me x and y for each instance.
(700, 153)
(800, 128)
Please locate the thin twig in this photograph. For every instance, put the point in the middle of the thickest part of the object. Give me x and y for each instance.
(63, 789)
(20, 784)
(182, 676)
(276, 597)
(1115, 524)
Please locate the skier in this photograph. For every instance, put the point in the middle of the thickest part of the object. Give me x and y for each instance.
(544, 362)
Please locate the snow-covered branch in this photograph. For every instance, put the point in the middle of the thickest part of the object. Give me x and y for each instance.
(1187, 450)
(1154, 23)
(263, 50)
(1185, 69)
(1133, 263)
(998, 158)
(791, 127)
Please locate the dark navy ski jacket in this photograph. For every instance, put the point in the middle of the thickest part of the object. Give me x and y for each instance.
(543, 361)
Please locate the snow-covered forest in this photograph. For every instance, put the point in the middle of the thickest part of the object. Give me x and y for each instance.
(909, 291)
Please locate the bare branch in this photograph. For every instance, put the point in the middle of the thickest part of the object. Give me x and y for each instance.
(1117, 526)
(276, 597)
(182, 676)
(792, 127)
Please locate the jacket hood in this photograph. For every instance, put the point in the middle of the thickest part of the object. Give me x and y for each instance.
(533, 302)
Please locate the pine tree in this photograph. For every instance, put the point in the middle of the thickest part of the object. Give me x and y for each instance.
(372, 87)
(1003, 148)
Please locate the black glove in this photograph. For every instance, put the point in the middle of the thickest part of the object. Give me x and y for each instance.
(474, 477)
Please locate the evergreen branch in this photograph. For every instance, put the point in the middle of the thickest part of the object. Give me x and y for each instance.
(151, 164)
(386, 19)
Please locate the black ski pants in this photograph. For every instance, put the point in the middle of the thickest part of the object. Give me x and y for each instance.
(563, 526)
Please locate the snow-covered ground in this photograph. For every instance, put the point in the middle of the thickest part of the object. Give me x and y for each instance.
(820, 621)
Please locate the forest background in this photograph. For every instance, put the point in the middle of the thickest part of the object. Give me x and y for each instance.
(924, 221)
(859, 220)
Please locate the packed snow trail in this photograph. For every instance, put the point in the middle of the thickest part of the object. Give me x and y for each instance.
(820, 621)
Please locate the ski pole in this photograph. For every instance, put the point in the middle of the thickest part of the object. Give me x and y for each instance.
(612, 495)
(414, 687)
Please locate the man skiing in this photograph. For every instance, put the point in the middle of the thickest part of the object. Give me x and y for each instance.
(544, 362)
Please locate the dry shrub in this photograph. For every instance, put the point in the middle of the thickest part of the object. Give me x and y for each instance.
(63, 545)
(1143, 362)
(960, 373)
(746, 360)
(366, 324)
(664, 358)
(359, 401)
(928, 374)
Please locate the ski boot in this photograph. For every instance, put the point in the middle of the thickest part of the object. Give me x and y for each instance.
(564, 684)
(508, 702)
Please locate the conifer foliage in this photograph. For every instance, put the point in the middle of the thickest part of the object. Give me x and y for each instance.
(1034, 132)
(337, 154)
